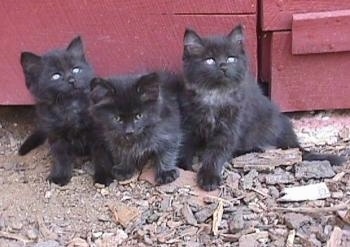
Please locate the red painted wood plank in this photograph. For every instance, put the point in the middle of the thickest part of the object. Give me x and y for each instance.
(321, 32)
(277, 14)
(117, 40)
(308, 82)
(192, 7)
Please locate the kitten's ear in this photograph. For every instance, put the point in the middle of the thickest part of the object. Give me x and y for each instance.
(76, 48)
(148, 87)
(100, 88)
(236, 36)
(192, 43)
(31, 64)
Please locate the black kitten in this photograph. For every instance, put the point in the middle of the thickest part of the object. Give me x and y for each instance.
(59, 81)
(141, 121)
(224, 111)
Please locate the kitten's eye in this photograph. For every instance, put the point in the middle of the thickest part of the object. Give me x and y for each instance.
(210, 61)
(231, 59)
(76, 70)
(138, 116)
(117, 119)
(56, 76)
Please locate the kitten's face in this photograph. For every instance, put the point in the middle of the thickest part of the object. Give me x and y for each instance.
(57, 72)
(126, 106)
(217, 62)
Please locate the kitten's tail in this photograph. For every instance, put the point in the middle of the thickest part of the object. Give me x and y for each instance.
(34, 140)
(334, 160)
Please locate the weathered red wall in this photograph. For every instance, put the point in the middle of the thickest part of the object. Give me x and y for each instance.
(119, 36)
(305, 53)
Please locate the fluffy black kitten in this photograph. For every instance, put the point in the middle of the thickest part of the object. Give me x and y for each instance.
(59, 81)
(224, 111)
(141, 121)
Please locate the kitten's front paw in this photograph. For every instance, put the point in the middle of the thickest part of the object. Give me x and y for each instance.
(165, 177)
(122, 174)
(102, 178)
(60, 180)
(208, 180)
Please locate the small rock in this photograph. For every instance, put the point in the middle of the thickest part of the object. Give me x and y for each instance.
(248, 197)
(48, 194)
(32, 234)
(236, 223)
(282, 178)
(337, 194)
(274, 192)
(328, 229)
(2, 223)
(192, 244)
(96, 235)
(126, 214)
(248, 180)
(111, 239)
(50, 243)
(188, 215)
(252, 240)
(308, 239)
(344, 133)
(153, 218)
(103, 218)
(148, 240)
(78, 242)
(232, 180)
(16, 225)
(314, 169)
(104, 192)
(165, 204)
(206, 212)
(174, 224)
(99, 186)
(295, 221)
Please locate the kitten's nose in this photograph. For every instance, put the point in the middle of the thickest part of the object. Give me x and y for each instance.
(71, 80)
(223, 67)
(129, 130)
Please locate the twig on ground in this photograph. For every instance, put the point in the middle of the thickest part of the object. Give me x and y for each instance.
(13, 237)
(309, 210)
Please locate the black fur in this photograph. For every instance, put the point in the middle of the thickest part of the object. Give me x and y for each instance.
(141, 121)
(224, 110)
(59, 81)
(34, 140)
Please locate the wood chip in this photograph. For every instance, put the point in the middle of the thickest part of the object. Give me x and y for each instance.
(46, 233)
(310, 210)
(217, 217)
(206, 212)
(251, 240)
(314, 169)
(338, 176)
(78, 242)
(344, 215)
(335, 238)
(283, 178)
(268, 160)
(13, 236)
(235, 237)
(188, 215)
(307, 192)
(248, 180)
(290, 239)
(124, 214)
(236, 223)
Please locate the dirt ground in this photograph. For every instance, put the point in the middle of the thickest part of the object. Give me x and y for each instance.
(248, 210)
